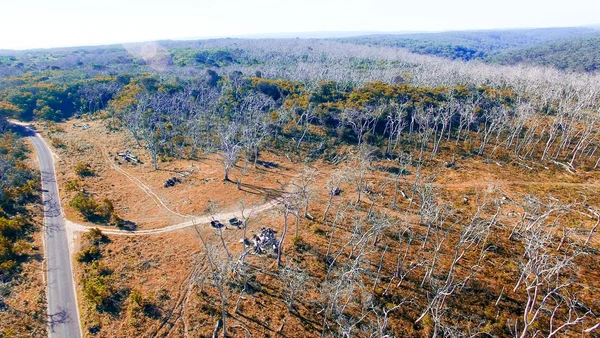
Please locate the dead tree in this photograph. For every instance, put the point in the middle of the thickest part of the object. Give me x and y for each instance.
(304, 190)
(286, 210)
(303, 122)
(333, 188)
(240, 173)
(395, 124)
(548, 276)
(473, 239)
(363, 159)
(403, 162)
(360, 120)
(245, 216)
(230, 147)
(295, 283)
(597, 214)
(212, 209)
(147, 126)
(346, 298)
(220, 273)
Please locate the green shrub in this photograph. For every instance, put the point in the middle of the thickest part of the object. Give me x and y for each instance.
(72, 185)
(57, 143)
(296, 240)
(85, 205)
(88, 255)
(95, 237)
(97, 289)
(106, 209)
(83, 169)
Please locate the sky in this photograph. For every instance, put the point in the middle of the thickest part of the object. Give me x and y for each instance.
(60, 23)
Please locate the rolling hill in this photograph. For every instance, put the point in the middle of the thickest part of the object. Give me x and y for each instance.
(571, 48)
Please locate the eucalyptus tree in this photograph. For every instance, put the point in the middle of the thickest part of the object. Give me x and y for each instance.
(229, 147)
(360, 120)
(363, 165)
(147, 125)
(394, 125)
(97, 94)
(253, 113)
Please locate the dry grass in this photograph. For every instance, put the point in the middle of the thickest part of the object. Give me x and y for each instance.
(172, 272)
(163, 206)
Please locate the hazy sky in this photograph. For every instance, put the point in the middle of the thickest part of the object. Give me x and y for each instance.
(53, 23)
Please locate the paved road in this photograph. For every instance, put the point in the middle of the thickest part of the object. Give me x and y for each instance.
(62, 302)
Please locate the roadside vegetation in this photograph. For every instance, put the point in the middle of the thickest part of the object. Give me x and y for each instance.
(22, 312)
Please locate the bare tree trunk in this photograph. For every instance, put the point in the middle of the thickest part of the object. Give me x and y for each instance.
(280, 245)
(328, 206)
(593, 229)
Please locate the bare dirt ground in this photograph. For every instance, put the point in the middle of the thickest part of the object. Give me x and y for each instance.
(172, 272)
(138, 191)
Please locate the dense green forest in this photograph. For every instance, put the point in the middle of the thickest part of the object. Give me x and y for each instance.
(564, 48)
(581, 55)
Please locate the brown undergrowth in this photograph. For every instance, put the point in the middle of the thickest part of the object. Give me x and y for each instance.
(375, 266)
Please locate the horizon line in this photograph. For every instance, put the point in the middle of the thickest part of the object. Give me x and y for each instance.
(292, 35)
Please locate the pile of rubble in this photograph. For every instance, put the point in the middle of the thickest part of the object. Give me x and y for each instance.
(262, 241)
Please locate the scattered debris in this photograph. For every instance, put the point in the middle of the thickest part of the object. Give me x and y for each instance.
(84, 126)
(567, 167)
(317, 150)
(267, 164)
(128, 157)
(405, 196)
(451, 164)
(172, 181)
(524, 165)
(512, 214)
(264, 240)
(186, 173)
(207, 180)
